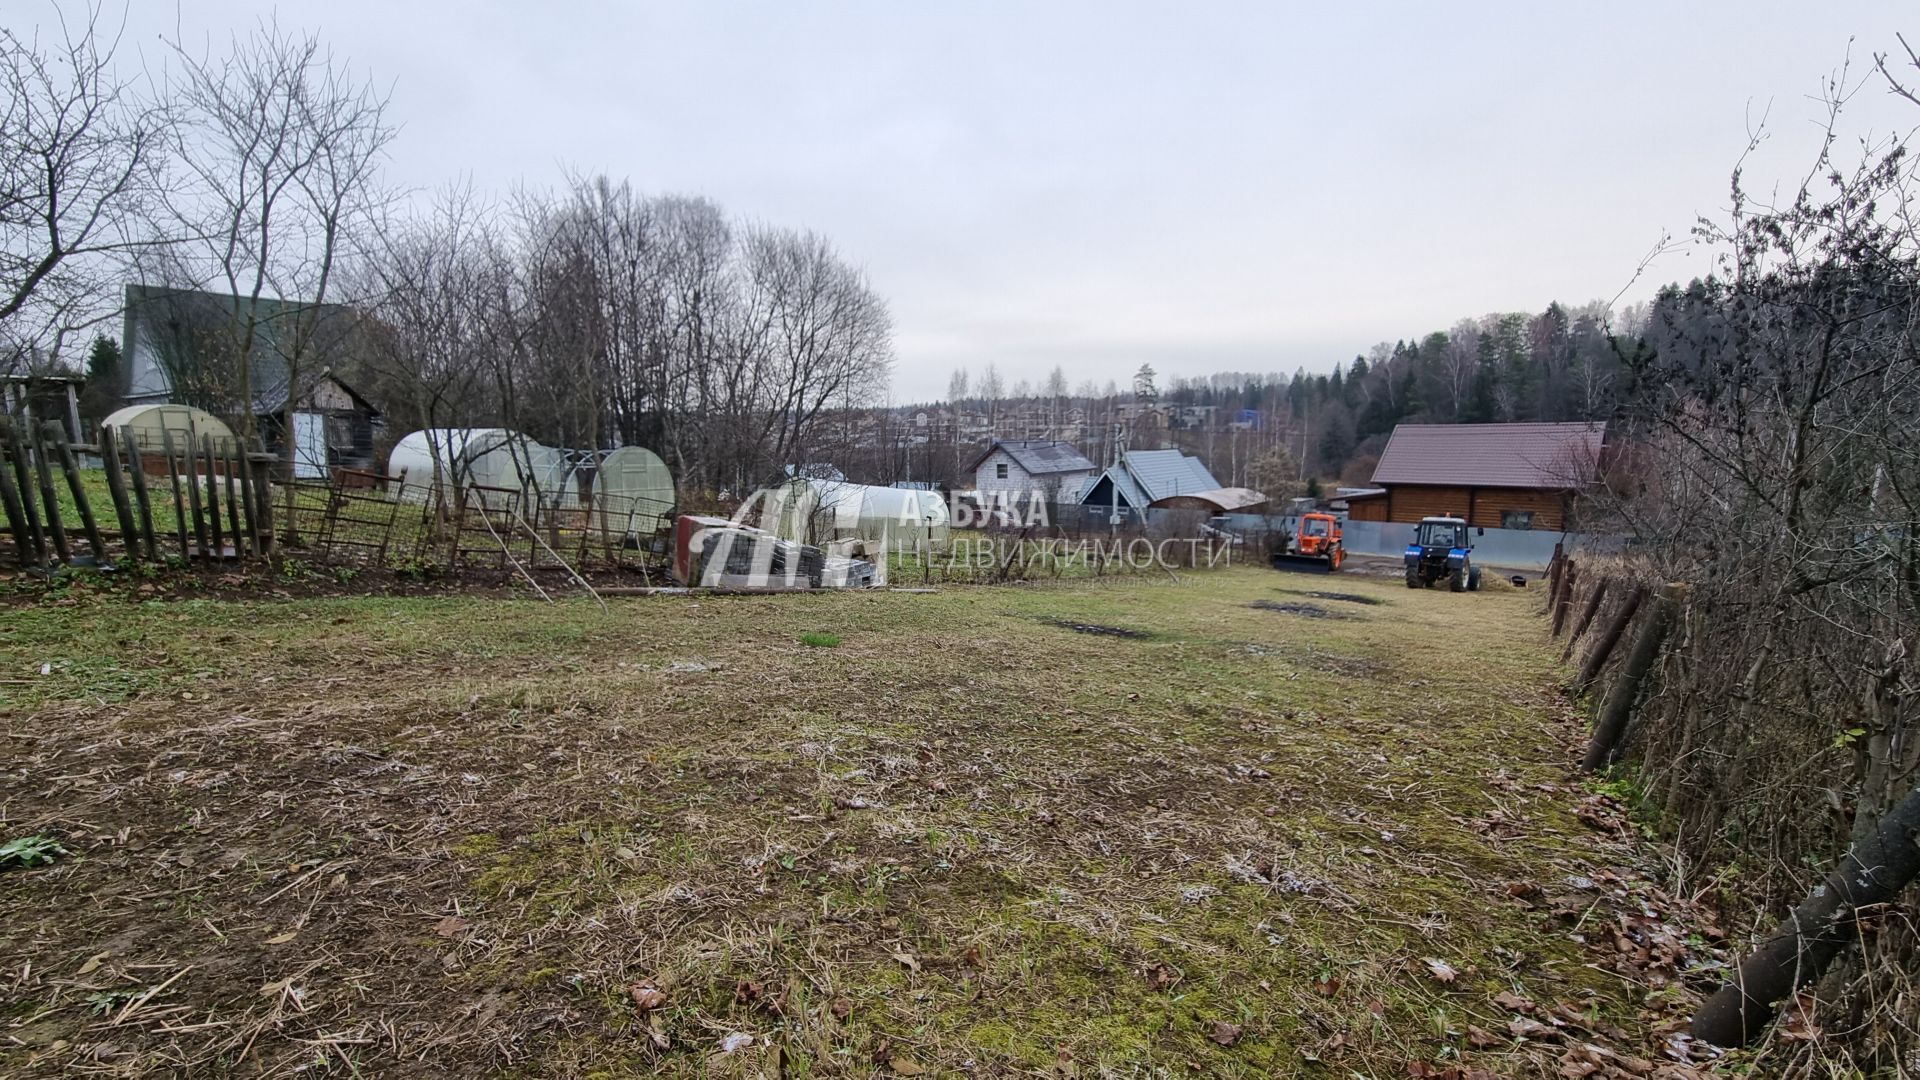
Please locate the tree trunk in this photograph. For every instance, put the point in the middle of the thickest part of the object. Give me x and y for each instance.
(1587, 613)
(1563, 596)
(1808, 939)
(1611, 727)
(1610, 637)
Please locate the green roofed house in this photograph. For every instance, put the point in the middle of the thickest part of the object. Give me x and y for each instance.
(185, 347)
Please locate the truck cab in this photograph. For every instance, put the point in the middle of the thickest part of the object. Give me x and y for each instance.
(1441, 549)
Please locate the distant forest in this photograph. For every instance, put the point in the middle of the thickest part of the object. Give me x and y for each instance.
(1563, 364)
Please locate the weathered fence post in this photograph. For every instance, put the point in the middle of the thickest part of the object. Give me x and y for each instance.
(117, 488)
(1611, 726)
(233, 505)
(26, 536)
(16, 519)
(263, 466)
(247, 499)
(191, 481)
(16, 492)
(43, 472)
(1609, 637)
(218, 551)
(1563, 596)
(1587, 613)
(23, 491)
(140, 497)
(1806, 941)
(57, 441)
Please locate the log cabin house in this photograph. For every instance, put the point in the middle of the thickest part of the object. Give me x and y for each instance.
(1496, 476)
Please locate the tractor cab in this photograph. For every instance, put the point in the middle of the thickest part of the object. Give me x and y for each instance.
(1314, 547)
(1442, 532)
(1441, 549)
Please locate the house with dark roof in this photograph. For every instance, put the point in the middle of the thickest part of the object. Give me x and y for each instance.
(1144, 478)
(1495, 476)
(1018, 467)
(273, 359)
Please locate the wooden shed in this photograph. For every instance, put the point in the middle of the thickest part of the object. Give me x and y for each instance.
(1496, 476)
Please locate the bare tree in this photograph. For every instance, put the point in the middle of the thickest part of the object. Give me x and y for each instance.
(830, 334)
(1056, 399)
(423, 292)
(280, 145)
(990, 390)
(79, 154)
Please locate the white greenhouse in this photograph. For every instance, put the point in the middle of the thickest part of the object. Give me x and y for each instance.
(633, 481)
(495, 463)
(153, 426)
(896, 516)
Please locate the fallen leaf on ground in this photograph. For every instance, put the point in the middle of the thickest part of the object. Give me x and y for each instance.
(1225, 1034)
(1526, 1028)
(646, 998)
(1513, 1002)
(1797, 1022)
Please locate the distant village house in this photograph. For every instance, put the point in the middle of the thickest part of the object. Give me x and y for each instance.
(1145, 478)
(184, 346)
(1017, 467)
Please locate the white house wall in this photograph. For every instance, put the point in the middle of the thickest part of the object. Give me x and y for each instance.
(1020, 484)
(987, 481)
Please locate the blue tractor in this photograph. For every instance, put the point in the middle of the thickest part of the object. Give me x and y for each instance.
(1440, 549)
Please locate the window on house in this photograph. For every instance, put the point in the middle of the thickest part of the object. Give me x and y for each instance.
(1000, 471)
(1516, 519)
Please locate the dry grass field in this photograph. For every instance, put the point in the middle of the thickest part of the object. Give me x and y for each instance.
(1215, 826)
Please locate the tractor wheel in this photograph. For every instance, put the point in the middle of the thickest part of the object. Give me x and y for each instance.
(1413, 579)
(1334, 558)
(1473, 579)
(1457, 581)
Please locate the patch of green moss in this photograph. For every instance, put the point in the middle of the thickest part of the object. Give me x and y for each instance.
(476, 845)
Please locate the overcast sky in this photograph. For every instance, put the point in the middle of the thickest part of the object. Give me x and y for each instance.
(1204, 187)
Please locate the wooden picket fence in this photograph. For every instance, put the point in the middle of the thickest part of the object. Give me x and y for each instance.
(190, 497)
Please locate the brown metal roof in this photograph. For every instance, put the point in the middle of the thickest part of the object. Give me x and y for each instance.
(1558, 456)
